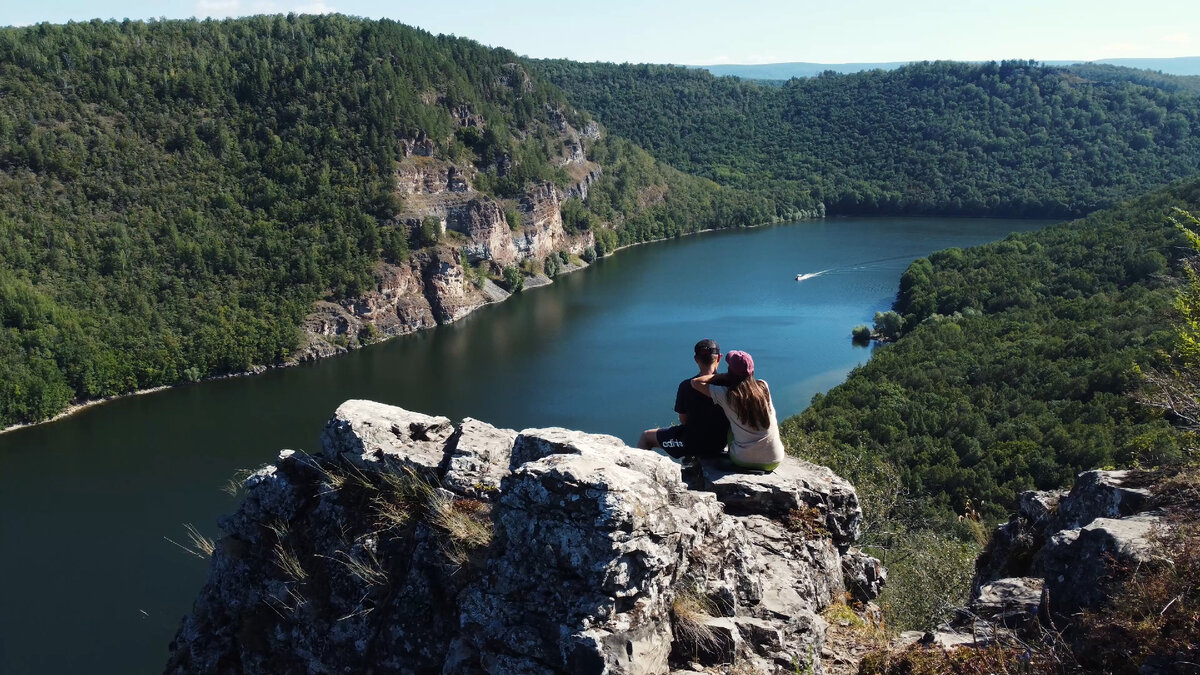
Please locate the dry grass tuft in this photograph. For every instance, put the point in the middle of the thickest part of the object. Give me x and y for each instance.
(1180, 492)
(200, 543)
(400, 497)
(839, 613)
(289, 564)
(991, 660)
(368, 570)
(466, 523)
(287, 561)
(234, 484)
(690, 610)
(331, 481)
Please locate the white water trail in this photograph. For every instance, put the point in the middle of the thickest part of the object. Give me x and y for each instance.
(810, 275)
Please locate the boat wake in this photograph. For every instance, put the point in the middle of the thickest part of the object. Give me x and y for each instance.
(856, 267)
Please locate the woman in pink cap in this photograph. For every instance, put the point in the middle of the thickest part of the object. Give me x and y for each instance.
(747, 403)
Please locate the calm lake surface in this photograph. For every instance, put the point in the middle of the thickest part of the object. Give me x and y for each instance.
(89, 581)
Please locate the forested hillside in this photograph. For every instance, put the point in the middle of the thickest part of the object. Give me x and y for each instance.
(1099, 72)
(175, 195)
(1018, 363)
(1002, 139)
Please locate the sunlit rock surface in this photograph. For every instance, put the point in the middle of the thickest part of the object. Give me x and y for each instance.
(413, 545)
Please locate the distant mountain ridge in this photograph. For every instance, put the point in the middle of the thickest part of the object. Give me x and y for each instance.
(1182, 65)
(1008, 139)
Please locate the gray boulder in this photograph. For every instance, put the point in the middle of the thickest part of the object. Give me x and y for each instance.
(1062, 549)
(410, 545)
(1038, 507)
(795, 485)
(478, 459)
(367, 433)
(1098, 494)
(1011, 602)
(864, 576)
(1015, 549)
(584, 561)
(1079, 564)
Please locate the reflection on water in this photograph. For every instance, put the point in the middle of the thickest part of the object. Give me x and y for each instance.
(85, 503)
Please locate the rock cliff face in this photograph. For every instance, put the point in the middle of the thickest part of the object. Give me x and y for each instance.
(432, 288)
(428, 290)
(414, 545)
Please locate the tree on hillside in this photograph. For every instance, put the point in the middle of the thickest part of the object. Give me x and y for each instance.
(1177, 390)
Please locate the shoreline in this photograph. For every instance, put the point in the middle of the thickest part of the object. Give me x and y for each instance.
(90, 403)
(80, 406)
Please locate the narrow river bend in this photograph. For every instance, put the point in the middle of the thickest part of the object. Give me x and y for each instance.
(90, 580)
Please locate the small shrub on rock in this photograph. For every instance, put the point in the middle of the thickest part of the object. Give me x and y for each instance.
(513, 279)
(929, 575)
(920, 660)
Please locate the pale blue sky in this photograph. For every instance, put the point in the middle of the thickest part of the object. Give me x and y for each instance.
(710, 32)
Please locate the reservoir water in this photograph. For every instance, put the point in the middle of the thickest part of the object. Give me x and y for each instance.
(90, 579)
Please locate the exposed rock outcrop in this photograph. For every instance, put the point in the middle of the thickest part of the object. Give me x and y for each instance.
(413, 545)
(1072, 541)
(1059, 555)
(430, 289)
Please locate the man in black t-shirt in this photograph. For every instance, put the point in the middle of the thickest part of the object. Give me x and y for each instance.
(702, 429)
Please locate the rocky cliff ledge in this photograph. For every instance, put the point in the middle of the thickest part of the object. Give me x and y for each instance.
(1062, 584)
(414, 545)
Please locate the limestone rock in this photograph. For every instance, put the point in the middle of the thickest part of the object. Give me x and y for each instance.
(1098, 494)
(1078, 563)
(949, 638)
(794, 485)
(412, 545)
(493, 293)
(479, 459)
(1009, 553)
(542, 232)
(1038, 507)
(612, 532)
(1011, 602)
(445, 286)
(489, 237)
(583, 182)
(395, 306)
(1013, 550)
(314, 347)
(366, 431)
(863, 575)
(532, 445)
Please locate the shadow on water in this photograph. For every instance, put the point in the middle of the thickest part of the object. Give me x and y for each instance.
(88, 582)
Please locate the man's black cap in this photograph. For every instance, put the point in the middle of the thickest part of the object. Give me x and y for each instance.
(707, 348)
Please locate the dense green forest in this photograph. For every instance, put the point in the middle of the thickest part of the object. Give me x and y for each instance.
(174, 195)
(1018, 363)
(1101, 72)
(1001, 139)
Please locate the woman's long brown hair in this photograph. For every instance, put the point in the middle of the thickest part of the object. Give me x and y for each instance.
(749, 399)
